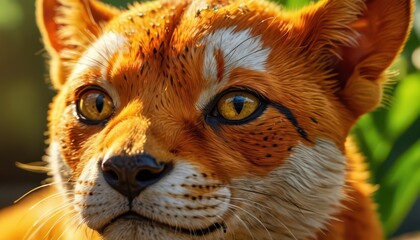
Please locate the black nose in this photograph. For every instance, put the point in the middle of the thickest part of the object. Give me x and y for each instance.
(130, 175)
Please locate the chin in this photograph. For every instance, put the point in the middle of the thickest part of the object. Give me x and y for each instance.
(132, 229)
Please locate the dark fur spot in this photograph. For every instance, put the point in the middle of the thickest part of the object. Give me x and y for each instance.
(174, 151)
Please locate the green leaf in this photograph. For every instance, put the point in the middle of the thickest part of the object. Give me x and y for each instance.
(416, 27)
(375, 146)
(120, 3)
(11, 14)
(406, 106)
(296, 4)
(400, 188)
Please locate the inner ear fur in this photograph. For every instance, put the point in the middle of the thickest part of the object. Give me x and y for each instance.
(67, 26)
(355, 41)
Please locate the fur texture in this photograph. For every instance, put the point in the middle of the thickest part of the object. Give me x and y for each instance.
(288, 172)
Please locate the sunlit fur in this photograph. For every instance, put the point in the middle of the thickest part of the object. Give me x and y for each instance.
(289, 173)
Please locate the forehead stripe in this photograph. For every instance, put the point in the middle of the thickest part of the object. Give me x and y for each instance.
(220, 61)
(239, 49)
(227, 49)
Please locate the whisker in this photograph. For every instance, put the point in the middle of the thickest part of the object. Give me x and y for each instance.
(251, 202)
(59, 194)
(275, 197)
(80, 224)
(254, 217)
(46, 216)
(269, 213)
(37, 167)
(55, 223)
(44, 219)
(242, 221)
(33, 190)
(71, 221)
(294, 203)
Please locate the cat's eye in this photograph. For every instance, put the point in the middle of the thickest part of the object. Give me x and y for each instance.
(237, 105)
(94, 106)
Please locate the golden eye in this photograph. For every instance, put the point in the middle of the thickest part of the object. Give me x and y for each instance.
(95, 106)
(238, 105)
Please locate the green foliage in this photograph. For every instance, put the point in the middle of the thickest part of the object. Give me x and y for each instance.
(293, 4)
(10, 14)
(120, 3)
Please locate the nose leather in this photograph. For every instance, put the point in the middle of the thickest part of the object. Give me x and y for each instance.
(130, 175)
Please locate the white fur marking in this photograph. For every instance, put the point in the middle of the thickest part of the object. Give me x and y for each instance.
(100, 53)
(56, 165)
(240, 50)
(306, 191)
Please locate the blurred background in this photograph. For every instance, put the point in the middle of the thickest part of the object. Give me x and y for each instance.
(389, 137)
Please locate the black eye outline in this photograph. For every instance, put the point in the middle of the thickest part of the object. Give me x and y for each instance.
(213, 117)
(80, 117)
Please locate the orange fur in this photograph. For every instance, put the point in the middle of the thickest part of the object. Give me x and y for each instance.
(327, 63)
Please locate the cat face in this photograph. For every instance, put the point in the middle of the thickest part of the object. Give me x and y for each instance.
(184, 120)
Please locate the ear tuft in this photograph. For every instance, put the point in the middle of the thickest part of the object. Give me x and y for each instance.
(67, 26)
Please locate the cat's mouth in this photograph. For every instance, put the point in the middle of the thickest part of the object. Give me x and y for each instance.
(130, 215)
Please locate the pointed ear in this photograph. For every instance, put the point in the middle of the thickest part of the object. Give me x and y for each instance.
(356, 40)
(67, 26)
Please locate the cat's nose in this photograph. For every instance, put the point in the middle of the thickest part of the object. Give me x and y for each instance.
(130, 175)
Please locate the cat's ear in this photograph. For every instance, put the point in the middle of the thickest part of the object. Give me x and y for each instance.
(356, 40)
(67, 26)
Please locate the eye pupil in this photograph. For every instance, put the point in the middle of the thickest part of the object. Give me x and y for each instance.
(94, 106)
(100, 103)
(238, 103)
(235, 106)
